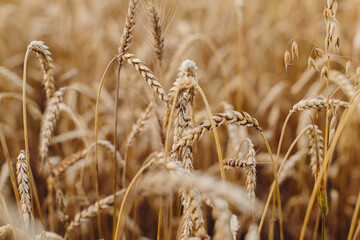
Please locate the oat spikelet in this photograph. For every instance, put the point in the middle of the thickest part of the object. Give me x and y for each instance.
(333, 122)
(347, 68)
(324, 72)
(287, 59)
(317, 103)
(49, 122)
(147, 75)
(23, 188)
(157, 33)
(312, 63)
(129, 27)
(294, 51)
(357, 76)
(47, 66)
(312, 145)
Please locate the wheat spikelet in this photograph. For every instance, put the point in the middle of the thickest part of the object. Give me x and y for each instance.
(157, 33)
(343, 82)
(49, 122)
(176, 177)
(4, 175)
(129, 27)
(187, 224)
(23, 188)
(221, 119)
(315, 134)
(91, 211)
(186, 94)
(222, 220)
(316, 103)
(62, 208)
(68, 162)
(250, 172)
(252, 233)
(5, 231)
(290, 164)
(45, 235)
(234, 163)
(234, 139)
(47, 66)
(234, 226)
(10, 76)
(135, 132)
(147, 75)
(193, 219)
(138, 127)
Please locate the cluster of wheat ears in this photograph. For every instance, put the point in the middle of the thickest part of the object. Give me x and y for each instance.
(136, 162)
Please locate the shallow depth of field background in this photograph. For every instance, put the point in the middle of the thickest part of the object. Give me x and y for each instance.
(246, 70)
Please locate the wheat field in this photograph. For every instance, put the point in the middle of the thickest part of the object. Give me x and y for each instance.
(179, 119)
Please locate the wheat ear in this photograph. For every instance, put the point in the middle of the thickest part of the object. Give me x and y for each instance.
(234, 226)
(182, 122)
(222, 220)
(147, 75)
(23, 188)
(157, 34)
(91, 211)
(44, 55)
(316, 103)
(49, 122)
(68, 162)
(316, 145)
